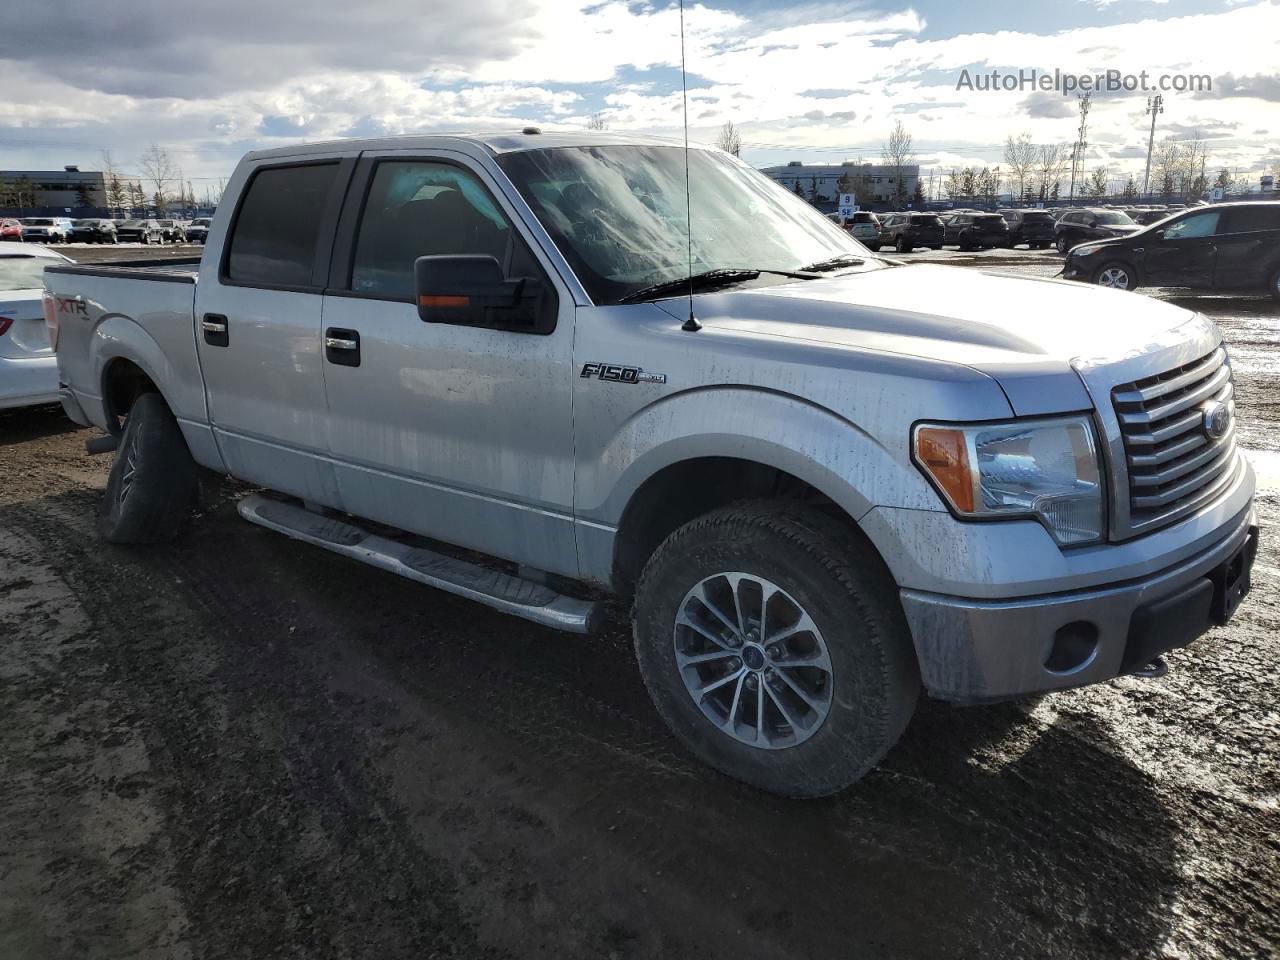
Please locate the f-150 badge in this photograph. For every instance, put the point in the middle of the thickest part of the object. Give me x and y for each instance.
(619, 374)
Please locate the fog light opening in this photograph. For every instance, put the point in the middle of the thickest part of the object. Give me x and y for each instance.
(1073, 646)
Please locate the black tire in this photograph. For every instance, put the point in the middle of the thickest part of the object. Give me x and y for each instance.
(874, 247)
(1274, 285)
(965, 243)
(1062, 243)
(848, 595)
(904, 245)
(153, 483)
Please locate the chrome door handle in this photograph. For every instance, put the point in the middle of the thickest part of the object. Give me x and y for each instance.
(209, 326)
(338, 343)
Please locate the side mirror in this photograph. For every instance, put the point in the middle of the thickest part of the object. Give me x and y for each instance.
(469, 290)
(1093, 223)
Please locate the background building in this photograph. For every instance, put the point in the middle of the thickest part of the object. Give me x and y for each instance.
(873, 183)
(54, 191)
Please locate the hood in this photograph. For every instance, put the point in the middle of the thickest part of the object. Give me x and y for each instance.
(1028, 334)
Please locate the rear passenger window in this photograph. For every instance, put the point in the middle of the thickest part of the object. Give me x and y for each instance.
(277, 228)
(1250, 219)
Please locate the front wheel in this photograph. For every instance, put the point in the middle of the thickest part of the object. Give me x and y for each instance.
(774, 649)
(1062, 243)
(153, 483)
(1119, 276)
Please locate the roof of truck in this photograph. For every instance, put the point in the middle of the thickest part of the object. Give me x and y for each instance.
(504, 141)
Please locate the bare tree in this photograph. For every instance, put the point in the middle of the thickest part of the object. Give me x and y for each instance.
(897, 154)
(1166, 167)
(729, 139)
(159, 169)
(1020, 155)
(1097, 185)
(116, 193)
(597, 122)
(1195, 158)
(1051, 164)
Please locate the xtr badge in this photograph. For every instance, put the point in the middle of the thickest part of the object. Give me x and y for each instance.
(616, 373)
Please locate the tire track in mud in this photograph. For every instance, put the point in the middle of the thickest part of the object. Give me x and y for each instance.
(274, 817)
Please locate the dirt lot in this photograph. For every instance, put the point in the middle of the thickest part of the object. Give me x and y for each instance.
(239, 746)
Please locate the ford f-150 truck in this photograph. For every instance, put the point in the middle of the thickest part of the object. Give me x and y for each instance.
(822, 479)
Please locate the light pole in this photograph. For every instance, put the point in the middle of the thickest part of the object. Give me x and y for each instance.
(1155, 107)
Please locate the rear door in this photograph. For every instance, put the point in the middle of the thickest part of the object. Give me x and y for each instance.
(1248, 247)
(459, 432)
(258, 325)
(1182, 253)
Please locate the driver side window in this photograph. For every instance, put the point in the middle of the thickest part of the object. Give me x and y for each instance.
(1199, 225)
(421, 208)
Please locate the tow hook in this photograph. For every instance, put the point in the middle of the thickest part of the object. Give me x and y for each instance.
(1154, 670)
(106, 444)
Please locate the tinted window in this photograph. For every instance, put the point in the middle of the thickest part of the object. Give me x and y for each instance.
(419, 209)
(276, 230)
(1196, 225)
(991, 221)
(1032, 216)
(926, 220)
(1248, 219)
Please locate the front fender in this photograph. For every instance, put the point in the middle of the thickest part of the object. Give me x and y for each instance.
(778, 430)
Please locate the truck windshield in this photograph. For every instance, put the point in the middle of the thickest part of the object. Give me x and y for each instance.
(618, 215)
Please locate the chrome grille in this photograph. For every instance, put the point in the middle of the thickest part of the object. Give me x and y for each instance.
(1173, 462)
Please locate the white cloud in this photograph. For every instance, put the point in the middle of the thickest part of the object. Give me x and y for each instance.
(830, 80)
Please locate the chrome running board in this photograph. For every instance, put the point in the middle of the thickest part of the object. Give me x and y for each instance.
(503, 592)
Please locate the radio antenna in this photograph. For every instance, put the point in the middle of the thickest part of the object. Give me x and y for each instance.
(692, 324)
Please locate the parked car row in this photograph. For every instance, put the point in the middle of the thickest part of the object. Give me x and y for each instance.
(103, 230)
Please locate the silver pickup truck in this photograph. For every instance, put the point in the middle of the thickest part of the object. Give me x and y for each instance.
(822, 479)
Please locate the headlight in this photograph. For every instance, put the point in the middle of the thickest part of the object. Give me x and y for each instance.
(1044, 469)
(1085, 251)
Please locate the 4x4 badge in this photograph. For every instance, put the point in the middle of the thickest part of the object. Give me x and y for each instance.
(616, 373)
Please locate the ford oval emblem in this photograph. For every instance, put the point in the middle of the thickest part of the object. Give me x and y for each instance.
(1216, 419)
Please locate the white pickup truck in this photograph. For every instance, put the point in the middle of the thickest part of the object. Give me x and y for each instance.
(823, 479)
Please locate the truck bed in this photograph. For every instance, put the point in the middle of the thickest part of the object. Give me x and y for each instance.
(139, 312)
(170, 270)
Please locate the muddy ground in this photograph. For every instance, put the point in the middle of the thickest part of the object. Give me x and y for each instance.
(240, 746)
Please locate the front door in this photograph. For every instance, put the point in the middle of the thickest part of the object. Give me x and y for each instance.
(459, 432)
(1182, 254)
(258, 327)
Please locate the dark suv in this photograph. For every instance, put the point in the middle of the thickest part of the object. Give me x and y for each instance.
(1032, 227)
(974, 231)
(172, 231)
(1079, 226)
(94, 231)
(906, 231)
(1228, 246)
(140, 231)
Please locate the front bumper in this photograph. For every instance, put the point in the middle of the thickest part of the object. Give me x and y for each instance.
(974, 651)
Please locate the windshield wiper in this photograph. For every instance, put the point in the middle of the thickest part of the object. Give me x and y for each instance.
(835, 263)
(708, 278)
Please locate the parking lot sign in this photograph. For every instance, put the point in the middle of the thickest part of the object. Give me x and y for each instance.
(847, 206)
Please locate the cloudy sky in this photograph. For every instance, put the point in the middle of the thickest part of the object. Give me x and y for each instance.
(818, 81)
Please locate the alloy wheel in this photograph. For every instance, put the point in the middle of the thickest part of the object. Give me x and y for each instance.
(753, 660)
